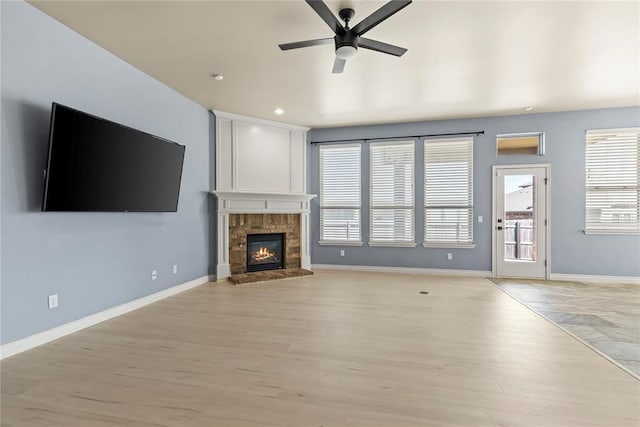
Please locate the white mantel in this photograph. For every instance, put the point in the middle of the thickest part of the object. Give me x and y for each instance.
(261, 168)
(241, 202)
(246, 202)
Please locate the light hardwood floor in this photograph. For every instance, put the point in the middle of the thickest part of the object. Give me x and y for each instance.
(334, 349)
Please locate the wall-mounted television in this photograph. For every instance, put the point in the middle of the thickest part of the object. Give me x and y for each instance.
(96, 165)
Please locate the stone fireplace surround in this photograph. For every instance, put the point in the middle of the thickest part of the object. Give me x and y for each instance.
(242, 224)
(240, 213)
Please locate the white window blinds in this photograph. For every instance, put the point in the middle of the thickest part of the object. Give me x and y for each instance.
(340, 193)
(448, 191)
(612, 196)
(392, 206)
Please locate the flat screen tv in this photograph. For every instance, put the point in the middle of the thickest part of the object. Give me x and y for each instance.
(96, 165)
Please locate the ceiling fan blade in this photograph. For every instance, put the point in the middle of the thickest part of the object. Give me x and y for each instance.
(380, 15)
(338, 65)
(326, 15)
(306, 43)
(381, 47)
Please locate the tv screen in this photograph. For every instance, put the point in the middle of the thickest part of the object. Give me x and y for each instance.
(101, 166)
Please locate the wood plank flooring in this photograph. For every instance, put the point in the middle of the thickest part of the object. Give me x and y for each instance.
(333, 349)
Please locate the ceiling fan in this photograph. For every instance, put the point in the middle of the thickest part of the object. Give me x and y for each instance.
(348, 40)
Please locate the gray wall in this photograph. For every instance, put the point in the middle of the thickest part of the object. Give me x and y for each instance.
(572, 252)
(93, 261)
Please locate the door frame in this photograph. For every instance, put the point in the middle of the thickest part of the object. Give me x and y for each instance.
(547, 233)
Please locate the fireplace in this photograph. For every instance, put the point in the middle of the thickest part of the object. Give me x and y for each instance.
(265, 251)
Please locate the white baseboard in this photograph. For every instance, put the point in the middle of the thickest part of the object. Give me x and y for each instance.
(405, 270)
(38, 339)
(596, 279)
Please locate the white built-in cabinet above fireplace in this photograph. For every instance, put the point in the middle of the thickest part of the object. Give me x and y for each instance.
(259, 156)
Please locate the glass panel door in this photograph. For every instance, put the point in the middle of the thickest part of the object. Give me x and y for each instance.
(519, 224)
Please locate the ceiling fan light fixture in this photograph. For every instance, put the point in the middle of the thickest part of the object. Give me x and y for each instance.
(346, 52)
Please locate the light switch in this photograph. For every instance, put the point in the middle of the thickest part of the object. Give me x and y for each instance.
(480, 219)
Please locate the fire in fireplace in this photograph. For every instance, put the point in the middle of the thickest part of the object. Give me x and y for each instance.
(265, 251)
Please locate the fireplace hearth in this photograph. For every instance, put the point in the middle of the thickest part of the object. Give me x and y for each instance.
(265, 251)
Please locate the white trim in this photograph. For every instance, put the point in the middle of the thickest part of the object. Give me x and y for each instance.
(393, 244)
(616, 232)
(613, 130)
(594, 278)
(24, 344)
(223, 271)
(340, 144)
(246, 202)
(339, 243)
(233, 116)
(384, 142)
(411, 208)
(451, 245)
(402, 270)
(540, 136)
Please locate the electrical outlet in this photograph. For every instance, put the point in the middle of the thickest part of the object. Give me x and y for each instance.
(449, 256)
(154, 275)
(175, 269)
(53, 301)
(341, 252)
(480, 219)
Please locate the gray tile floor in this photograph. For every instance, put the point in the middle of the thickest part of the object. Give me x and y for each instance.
(604, 316)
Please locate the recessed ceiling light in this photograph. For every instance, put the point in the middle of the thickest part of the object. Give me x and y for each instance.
(217, 76)
(278, 111)
(529, 108)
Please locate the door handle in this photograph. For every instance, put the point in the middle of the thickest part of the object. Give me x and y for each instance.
(499, 228)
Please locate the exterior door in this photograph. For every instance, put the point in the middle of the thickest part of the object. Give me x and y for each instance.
(520, 221)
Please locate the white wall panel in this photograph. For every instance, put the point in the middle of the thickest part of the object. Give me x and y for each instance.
(224, 180)
(255, 155)
(298, 162)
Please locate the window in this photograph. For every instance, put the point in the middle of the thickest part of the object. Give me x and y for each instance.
(448, 192)
(340, 194)
(392, 206)
(612, 201)
(520, 144)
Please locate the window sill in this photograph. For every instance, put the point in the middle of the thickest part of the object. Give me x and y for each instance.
(613, 232)
(451, 245)
(339, 243)
(393, 244)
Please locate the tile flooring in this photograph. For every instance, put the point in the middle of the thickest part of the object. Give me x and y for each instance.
(606, 317)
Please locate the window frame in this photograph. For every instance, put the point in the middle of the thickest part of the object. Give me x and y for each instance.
(540, 151)
(372, 208)
(470, 194)
(590, 228)
(325, 242)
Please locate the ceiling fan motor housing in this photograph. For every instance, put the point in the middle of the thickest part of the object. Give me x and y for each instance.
(348, 41)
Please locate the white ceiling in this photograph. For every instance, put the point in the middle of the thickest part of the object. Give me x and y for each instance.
(464, 59)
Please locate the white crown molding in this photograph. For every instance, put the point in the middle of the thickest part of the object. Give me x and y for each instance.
(24, 344)
(404, 270)
(248, 119)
